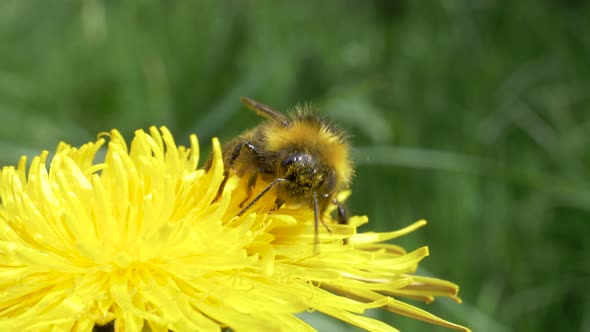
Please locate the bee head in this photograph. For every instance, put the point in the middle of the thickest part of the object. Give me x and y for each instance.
(304, 173)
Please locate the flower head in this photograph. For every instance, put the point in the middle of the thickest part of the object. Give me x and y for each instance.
(139, 239)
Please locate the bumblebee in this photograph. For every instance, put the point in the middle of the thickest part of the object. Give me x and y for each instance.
(301, 156)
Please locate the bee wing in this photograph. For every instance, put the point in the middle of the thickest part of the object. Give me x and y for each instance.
(266, 111)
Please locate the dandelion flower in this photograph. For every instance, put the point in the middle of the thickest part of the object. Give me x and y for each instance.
(137, 239)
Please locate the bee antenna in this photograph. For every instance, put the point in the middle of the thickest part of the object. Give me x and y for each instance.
(260, 194)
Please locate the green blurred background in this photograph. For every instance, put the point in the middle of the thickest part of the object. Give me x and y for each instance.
(471, 114)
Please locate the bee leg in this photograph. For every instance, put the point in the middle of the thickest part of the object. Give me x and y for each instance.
(229, 163)
(251, 183)
(235, 152)
(221, 187)
(318, 212)
(278, 203)
(323, 204)
(260, 194)
(342, 215)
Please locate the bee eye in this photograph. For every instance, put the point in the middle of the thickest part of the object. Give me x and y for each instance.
(303, 159)
(289, 161)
